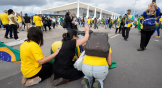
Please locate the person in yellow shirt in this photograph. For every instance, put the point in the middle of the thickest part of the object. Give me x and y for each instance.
(88, 22)
(38, 21)
(34, 66)
(5, 22)
(19, 20)
(95, 67)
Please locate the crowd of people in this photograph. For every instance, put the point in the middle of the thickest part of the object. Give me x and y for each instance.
(35, 67)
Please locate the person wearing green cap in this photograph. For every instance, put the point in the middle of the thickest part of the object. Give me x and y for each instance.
(128, 19)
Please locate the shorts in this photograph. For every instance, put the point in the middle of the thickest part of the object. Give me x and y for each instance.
(20, 24)
(27, 25)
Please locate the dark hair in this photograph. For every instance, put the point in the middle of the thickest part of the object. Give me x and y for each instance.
(67, 13)
(35, 34)
(69, 35)
(10, 11)
(26, 14)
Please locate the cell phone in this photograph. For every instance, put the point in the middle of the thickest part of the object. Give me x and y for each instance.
(153, 0)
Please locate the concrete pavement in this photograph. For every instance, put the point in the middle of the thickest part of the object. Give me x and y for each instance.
(134, 69)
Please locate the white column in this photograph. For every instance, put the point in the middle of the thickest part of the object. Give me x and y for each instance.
(87, 12)
(40, 12)
(100, 14)
(112, 16)
(78, 10)
(94, 14)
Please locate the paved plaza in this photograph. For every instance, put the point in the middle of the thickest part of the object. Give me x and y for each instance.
(134, 69)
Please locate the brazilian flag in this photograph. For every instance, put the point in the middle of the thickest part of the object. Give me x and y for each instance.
(9, 54)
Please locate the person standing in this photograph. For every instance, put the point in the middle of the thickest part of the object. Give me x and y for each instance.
(5, 22)
(68, 20)
(118, 24)
(106, 23)
(53, 21)
(27, 20)
(49, 22)
(149, 15)
(128, 18)
(83, 20)
(19, 16)
(38, 21)
(95, 24)
(13, 22)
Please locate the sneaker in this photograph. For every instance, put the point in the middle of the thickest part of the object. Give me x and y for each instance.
(96, 84)
(33, 81)
(6, 37)
(60, 81)
(140, 49)
(85, 83)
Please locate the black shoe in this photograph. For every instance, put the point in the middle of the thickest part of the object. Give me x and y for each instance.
(11, 37)
(140, 49)
(17, 32)
(125, 39)
(6, 37)
(144, 48)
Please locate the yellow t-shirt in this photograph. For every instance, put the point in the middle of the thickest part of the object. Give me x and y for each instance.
(96, 61)
(10, 21)
(34, 18)
(38, 21)
(30, 53)
(19, 19)
(4, 18)
(88, 21)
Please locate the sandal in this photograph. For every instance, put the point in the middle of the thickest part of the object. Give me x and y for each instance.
(33, 81)
(85, 83)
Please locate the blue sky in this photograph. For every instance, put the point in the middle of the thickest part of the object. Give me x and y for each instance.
(117, 6)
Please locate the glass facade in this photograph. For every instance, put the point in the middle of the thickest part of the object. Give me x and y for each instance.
(83, 13)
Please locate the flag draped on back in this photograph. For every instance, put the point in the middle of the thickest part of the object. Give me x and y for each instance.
(9, 54)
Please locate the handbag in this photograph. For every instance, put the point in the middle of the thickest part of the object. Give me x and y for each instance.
(78, 63)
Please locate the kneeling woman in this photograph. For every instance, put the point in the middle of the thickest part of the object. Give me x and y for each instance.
(34, 66)
(63, 66)
(95, 67)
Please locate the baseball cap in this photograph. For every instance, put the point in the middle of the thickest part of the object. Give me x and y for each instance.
(129, 9)
(5, 11)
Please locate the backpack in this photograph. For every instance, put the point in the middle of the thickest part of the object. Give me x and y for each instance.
(64, 25)
(97, 45)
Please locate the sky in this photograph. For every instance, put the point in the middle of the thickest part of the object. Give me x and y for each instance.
(117, 6)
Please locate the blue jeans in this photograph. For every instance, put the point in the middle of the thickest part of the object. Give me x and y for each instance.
(158, 31)
(83, 24)
(8, 29)
(106, 26)
(68, 28)
(98, 72)
(115, 25)
(95, 26)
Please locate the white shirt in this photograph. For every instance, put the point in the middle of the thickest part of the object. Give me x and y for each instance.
(53, 20)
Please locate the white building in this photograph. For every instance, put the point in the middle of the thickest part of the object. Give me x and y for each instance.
(83, 10)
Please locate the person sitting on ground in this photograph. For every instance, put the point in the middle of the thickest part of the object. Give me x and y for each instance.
(63, 68)
(34, 66)
(95, 67)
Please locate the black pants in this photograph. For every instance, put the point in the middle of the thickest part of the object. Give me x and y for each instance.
(125, 29)
(72, 74)
(117, 30)
(14, 28)
(45, 72)
(53, 25)
(145, 38)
